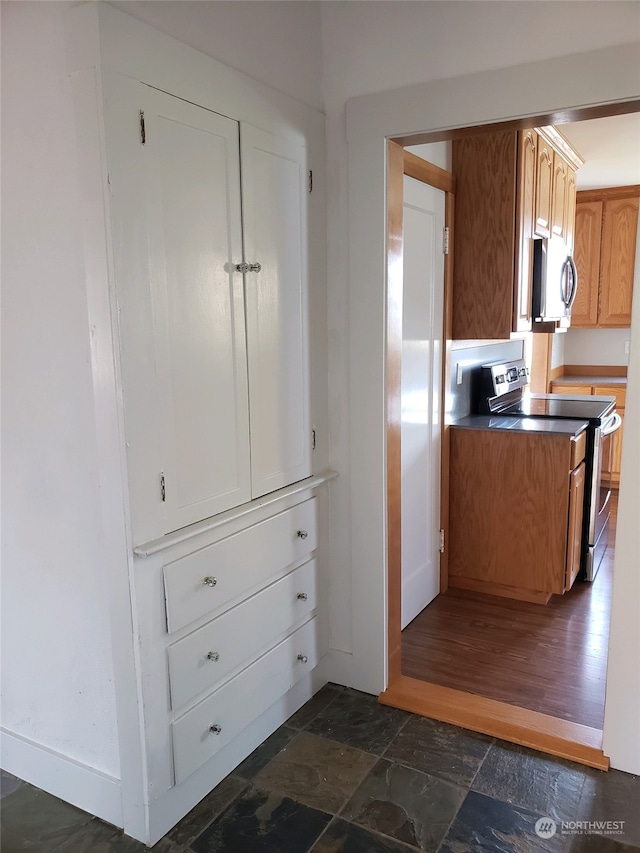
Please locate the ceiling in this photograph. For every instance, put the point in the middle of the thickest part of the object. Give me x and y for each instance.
(610, 148)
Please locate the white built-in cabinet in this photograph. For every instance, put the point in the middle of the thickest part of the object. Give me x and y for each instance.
(211, 279)
(202, 235)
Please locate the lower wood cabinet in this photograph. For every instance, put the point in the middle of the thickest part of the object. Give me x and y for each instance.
(516, 504)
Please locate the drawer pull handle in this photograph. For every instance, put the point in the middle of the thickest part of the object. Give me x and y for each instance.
(215, 728)
(302, 658)
(209, 581)
(302, 534)
(302, 596)
(214, 656)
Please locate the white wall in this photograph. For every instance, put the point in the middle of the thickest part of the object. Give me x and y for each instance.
(597, 346)
(622, 704)
(357, 239)
(376, 46)
(275, 42)
(57, 673)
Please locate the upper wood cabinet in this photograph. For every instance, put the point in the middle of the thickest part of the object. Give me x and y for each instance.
(508, 190)
(605, 251)
(544, 189)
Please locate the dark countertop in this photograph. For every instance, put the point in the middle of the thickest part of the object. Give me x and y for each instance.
(593, 379)
(556, 426)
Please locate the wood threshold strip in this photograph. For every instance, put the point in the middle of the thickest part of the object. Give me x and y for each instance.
(551, 735)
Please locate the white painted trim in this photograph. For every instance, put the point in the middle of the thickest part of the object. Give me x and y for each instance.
(193, 530)
(115, 550)
(64, 777)
(612, 74)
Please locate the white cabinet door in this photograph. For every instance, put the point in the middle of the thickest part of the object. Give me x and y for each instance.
(177, 238)
(274, 195)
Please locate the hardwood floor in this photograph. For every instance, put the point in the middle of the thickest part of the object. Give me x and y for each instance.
(551, 659)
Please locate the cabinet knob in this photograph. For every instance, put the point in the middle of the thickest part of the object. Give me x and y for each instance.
(214, 656)
(301, 596)
(215, 728)
(209, 581)
(302, 534)
(302, 658)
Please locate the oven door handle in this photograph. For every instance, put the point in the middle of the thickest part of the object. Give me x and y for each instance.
(612, 424)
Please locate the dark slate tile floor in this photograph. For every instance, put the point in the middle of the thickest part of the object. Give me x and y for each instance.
(347, 775)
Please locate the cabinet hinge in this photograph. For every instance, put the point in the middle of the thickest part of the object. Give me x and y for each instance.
(442, 540)
(445, 241)
(313, 439)
(163, 492)
(143, 132)
(310, 181)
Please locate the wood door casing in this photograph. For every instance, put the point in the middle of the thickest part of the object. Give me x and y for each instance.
(399, 163)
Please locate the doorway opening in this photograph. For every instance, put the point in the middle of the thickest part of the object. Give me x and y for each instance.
(425, 691)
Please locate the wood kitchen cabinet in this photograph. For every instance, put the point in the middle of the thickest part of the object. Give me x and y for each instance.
(510, 187)
(605, 249)
(516, 511)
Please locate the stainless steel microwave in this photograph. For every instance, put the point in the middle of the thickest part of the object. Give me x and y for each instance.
(555, 281)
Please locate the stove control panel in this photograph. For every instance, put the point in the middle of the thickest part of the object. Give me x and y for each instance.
(499, 379)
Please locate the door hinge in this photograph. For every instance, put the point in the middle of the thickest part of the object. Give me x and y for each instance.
(442, 540)
(143, 132)
(313, 439)
(163, 491)
(445, 241)
(310, 181)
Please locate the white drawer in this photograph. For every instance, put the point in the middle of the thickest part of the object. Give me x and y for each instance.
(203, 658)
(211, 579)
(214, 722)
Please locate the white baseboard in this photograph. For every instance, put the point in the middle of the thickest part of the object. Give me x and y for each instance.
(76, 783)
(338, 667)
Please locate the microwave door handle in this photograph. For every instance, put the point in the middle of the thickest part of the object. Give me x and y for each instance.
(612, 424)
(574, 281)
(568, 282)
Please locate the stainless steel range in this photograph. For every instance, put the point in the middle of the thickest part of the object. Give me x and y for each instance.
(501, 387)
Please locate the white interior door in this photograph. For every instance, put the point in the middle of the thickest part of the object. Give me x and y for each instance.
(177, 237)
(422, 330)
(274, 196)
